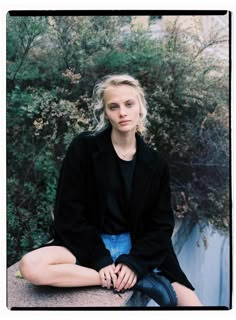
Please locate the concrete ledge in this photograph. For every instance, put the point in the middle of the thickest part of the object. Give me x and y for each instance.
(22, 294)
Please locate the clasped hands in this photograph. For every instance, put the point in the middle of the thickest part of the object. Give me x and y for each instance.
(120, 276)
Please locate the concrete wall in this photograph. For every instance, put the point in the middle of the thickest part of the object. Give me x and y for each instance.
(205, 258)
(204, 255)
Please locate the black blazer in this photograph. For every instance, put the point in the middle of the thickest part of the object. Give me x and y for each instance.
(80, 207)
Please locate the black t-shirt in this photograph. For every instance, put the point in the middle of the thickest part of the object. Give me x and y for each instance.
(119, 192)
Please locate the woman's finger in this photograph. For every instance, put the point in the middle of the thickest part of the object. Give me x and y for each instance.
(123, 282)
(108, 279)
(114, 279)
(113, 276)
(134, 282)
(129, 281)
(118, 267)
(103, 278)
(123, 277)
(120, 278)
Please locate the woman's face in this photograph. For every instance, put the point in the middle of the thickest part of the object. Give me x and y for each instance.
(122, 107)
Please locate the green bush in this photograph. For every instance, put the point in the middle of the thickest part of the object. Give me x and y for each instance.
(39, 131)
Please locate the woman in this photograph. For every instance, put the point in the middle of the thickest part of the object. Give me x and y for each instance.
(113, 217)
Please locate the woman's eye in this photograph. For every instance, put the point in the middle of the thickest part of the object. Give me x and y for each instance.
(113, 107)
(129, 104)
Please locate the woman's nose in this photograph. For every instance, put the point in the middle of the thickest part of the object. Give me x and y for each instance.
(122, 111)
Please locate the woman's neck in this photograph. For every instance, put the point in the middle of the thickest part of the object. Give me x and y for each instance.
(123, 140)
(124, 144)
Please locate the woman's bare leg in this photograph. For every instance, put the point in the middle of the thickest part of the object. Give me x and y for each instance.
(55, 266)
(185, 296)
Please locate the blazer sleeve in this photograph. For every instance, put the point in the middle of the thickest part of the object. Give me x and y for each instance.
(150, 249)
(71, 223)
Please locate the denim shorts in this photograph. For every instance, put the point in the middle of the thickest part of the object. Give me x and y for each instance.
(117, 244)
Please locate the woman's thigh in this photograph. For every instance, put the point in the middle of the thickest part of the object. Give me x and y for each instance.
(46, 256)
(186, 296)
(38, 266)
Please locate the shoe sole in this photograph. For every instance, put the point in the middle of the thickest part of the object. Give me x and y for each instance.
(167, 285)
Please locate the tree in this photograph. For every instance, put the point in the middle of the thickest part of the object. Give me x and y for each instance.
(23, 34)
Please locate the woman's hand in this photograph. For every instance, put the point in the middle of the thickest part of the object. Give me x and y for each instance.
(107, 275)
(126, 277)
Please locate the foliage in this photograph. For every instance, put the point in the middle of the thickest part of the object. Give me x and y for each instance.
(53, 64)
(189, 118)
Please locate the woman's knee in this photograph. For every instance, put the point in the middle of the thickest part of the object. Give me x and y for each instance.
(32, 269)
(186, 296)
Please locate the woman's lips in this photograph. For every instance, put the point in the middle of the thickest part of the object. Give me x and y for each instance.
(122, 123)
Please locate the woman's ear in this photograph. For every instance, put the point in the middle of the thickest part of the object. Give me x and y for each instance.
(140, 110)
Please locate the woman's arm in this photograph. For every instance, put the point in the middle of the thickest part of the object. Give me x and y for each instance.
(150, 249)
(71, 210)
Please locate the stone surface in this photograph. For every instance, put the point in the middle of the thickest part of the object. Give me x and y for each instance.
(22, 294)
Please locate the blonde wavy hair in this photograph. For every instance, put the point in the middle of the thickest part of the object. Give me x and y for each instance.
(99, 104)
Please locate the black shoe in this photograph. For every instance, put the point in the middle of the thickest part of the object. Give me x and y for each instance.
(157, 288)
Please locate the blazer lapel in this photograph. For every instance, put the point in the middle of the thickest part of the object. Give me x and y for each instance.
(102, 163)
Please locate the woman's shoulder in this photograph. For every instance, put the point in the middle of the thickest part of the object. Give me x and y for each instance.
(83, 136)
(158, 157)
(153, 152)
(87, 138)
(78, 145)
